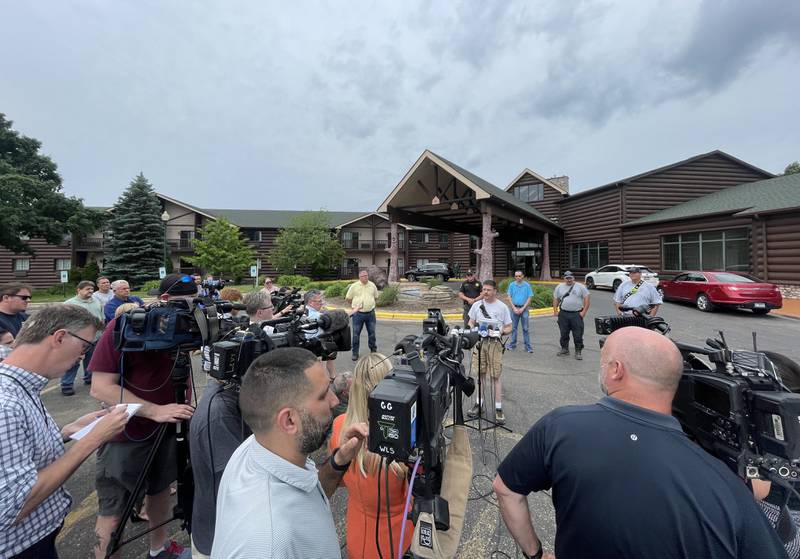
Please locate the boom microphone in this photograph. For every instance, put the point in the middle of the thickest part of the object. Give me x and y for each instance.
(333, 321)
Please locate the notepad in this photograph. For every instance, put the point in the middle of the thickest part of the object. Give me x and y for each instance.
(131, 410)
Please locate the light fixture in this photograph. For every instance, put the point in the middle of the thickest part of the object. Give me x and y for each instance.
(165, 216)
(435, 201)
(454, 206)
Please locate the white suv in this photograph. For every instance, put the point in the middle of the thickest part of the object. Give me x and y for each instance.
(614, 274)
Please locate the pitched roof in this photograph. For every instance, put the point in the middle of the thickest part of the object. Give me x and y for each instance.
(716, 152)
(538, 177)
(275, 219)
(765, 196)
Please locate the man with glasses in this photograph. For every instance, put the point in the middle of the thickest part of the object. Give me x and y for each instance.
(14, 299)
(83, 298)
(122, 295)
(35, 462)
(144, 378)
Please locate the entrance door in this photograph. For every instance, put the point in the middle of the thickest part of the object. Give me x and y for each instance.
(525, 260)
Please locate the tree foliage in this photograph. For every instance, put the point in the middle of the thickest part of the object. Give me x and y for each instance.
(792, 168)
(31, 201)
(136, 244)
(221, 249)
(308, 244)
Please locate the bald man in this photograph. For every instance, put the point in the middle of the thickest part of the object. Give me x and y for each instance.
(625, 479)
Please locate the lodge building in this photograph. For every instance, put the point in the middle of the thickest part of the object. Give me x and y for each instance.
(711, 211)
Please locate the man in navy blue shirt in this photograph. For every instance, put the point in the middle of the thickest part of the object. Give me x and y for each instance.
(626, 481)
(122, 295)
(14, 299)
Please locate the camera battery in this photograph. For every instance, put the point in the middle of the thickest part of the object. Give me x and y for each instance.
(223, 359)
(393, 418)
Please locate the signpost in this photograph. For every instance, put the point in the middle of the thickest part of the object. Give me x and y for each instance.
(64, 280)
(162, 272)
(254, 275)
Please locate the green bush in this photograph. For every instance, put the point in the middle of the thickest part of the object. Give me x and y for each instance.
(433, 282)
(336, 290)
(542, 297)
(388, 296)
(293, 281)
(92, 271)
(150, 284)
(502, 285)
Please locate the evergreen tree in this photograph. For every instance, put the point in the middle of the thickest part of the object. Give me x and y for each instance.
(136, 244)
(792, 168)
(221, 249)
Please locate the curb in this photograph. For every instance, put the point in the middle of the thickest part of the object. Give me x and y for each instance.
(451, 316)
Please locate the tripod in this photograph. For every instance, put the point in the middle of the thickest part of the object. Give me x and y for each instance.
(492, 424)
(183, 509)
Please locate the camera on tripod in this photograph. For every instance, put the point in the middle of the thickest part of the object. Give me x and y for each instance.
(732, 402)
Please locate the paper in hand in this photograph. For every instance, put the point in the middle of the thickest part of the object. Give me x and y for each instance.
(130, 411)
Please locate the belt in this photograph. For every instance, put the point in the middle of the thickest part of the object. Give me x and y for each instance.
(562, 310)
(366, 312)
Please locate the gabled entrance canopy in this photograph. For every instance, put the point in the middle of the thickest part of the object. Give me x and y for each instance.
(438, 194)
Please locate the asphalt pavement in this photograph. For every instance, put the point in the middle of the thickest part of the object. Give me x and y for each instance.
(533, 385)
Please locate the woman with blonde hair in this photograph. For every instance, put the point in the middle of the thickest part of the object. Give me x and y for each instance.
(363, 476)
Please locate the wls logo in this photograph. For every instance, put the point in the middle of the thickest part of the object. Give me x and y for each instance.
(426, 534)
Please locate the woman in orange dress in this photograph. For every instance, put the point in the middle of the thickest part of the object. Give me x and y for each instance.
(362, 479)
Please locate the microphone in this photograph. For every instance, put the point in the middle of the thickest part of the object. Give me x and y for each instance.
(469, 339)
(333, 321)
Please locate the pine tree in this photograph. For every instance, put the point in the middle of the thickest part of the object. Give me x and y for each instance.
(136, 245)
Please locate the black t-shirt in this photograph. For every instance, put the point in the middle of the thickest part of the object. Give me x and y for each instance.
(12, 322)
(471, 289)
(627, 483)
(227, 431)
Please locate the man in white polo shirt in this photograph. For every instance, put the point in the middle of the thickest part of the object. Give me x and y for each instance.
(272, 501)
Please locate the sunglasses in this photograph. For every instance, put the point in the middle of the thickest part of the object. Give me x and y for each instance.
(23, 297)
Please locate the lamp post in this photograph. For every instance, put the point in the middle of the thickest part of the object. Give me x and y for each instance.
(165, 219)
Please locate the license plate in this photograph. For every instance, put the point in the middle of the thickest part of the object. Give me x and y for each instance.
(759, 305)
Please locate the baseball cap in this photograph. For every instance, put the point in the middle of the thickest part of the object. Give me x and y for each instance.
(634, 269)
(177, 284)
(569, 274)
(470, 273)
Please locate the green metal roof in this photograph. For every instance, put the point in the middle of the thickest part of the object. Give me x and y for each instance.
(765, 196)
(275, 219)
(496, 192)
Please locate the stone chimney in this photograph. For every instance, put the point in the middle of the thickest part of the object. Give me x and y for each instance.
(562, 182)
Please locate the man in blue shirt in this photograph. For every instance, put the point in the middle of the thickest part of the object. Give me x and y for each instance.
(122, 295)
(14, 299)
(519, 297)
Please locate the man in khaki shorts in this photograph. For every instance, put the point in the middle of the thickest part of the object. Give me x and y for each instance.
(492, 317)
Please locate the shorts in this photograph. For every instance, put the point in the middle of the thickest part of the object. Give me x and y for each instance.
(491, 357)
(118, 467)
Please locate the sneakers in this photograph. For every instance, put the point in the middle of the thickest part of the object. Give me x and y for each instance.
(67, 391)
(563, 351)
(578, 355)
(499, 416)
(529, 350)
(355, 357)
(510, 347)
(173, 551)
(475, 410)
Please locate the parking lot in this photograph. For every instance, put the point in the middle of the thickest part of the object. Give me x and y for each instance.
(534, 384)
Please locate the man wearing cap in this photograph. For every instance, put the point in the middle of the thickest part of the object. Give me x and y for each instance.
(636, 292)
(139, 377)
(570, 305)
(471, 291)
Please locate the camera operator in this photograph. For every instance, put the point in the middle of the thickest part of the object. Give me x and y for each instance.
(626, 481)
(34, 464)
(488, 355)
(273, 502)
(635, 292)
(138, 377)
(314, 304)
(259, 307)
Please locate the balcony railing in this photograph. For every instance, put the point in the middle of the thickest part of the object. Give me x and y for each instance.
(180, 244)
(368, 244)
(90, 244)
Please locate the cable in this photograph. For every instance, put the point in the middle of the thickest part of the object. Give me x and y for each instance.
(389, 512)
(378, 516)
(407, 507)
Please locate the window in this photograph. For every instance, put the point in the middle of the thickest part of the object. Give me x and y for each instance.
(709, 250)
(253, 235)
(422, 262)
(444, 240)
(529, 192)
(426, 238)
(22, 264)
(62, 264)
(589, 255)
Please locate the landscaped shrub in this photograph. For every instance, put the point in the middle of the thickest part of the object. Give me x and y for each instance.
(336, 290)
(293, 281)
(433, 282)
(502, 285)
(150, 284)
(388, 296)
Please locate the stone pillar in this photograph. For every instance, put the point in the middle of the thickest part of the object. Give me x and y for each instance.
(394, 272)
(545, 273)
(486, 268)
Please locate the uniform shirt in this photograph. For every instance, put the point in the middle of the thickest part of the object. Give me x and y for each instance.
(269, 507)
(103, 298)
(360, 294)
(627, 482)
(574, 301)
(519, 292)
(471, 289)
(92, 305)
(646, 294)
(30, 440)
(498, 312)
(12, 322)
(111, 307)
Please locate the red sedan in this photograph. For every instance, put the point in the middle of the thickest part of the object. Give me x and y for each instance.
(708, 290)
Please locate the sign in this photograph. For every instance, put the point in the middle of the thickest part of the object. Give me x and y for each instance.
(162, 272)
(64, 276)
(253, 271)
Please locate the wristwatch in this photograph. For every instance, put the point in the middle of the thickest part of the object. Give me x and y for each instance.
(337, 467)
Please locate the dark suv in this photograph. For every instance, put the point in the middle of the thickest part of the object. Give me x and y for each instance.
(438, 270)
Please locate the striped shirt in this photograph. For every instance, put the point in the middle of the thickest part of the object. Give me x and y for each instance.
(29, 441)
(269, 507)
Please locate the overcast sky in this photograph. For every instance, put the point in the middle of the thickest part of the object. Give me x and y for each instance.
(305, 105)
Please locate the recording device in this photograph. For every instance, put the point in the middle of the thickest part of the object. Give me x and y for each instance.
(407, 407)
(732, 402)
(212, 288)
(286, 297)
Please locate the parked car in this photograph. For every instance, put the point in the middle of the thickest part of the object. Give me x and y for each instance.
(708, 290)
(438, 270)
(614, 274)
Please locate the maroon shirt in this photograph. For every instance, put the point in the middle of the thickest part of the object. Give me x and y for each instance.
(145, 374)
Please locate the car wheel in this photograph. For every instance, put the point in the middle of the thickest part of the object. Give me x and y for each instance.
(589, 283)
(411, 277)
(760, 311)
(616, 285)
(440, 277)
(703, 303)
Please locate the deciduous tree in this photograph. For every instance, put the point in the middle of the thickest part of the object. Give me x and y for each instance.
(308, 244)
(221, 249)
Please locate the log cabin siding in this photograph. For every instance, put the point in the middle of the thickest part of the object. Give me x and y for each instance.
(549, 205)
(782, 262)
(674, 186)
(42, 273)
(592, 218)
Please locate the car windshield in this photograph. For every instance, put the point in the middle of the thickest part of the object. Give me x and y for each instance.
(644, 269)
(736, 278)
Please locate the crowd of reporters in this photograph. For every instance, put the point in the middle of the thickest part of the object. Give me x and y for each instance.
(625, 480)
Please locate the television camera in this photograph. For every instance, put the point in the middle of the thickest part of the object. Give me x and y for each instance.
(407, 407)
(732, 402)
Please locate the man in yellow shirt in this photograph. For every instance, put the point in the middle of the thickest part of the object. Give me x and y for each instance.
(361, 296)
